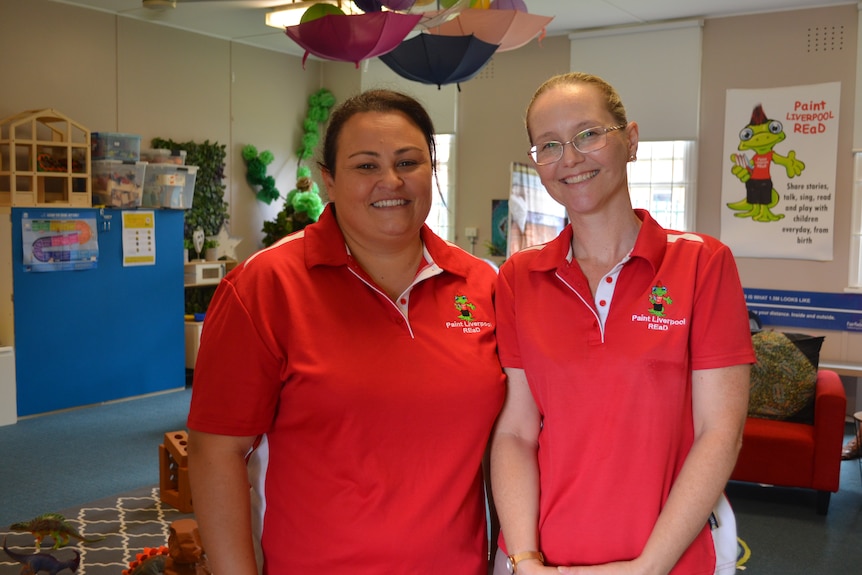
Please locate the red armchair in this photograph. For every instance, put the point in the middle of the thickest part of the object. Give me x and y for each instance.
(790, 454)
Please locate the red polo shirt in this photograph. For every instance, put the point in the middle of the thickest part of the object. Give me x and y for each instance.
(616, 398)
(374, 416)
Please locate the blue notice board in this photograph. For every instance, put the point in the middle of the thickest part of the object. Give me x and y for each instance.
(815, 310)
(105, 332)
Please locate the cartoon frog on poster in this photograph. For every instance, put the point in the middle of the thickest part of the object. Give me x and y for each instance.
(761, 136)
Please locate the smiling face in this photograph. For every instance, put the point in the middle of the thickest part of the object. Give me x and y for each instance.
(582, 182)
(382, 183)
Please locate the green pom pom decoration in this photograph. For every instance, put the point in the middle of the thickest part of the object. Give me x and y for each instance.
(319, 104)
(256, 173)
(249, 152)
(308, 202)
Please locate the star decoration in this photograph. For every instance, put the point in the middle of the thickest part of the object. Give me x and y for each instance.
(227, 243)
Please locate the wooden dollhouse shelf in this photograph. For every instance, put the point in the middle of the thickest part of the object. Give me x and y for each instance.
(44, 160)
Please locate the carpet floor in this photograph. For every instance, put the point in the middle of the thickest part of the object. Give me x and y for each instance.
(126, 524)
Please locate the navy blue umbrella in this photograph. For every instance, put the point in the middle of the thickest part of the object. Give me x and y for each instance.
(439, 60)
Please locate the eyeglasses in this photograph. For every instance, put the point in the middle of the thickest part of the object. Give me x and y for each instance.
(589, 140)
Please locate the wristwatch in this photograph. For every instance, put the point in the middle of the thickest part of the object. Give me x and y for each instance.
(513, 560)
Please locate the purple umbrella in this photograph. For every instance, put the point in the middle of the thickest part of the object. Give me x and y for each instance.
(353, 37)
(436, 59)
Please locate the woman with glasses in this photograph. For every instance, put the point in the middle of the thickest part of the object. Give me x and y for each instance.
(627, 350)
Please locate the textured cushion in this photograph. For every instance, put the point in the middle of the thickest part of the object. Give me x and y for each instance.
(784, 377)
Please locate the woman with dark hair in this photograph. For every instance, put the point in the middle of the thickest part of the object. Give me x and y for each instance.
(347, 379)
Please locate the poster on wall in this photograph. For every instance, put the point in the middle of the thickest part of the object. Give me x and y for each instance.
(499, 227)
(778, 175)
(139, 238)
(534, 217)
(56, 241)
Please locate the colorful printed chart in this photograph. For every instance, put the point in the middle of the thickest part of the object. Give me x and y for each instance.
(59, 242)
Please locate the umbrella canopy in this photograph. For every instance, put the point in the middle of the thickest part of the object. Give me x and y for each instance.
(510, 29)
(353, 37)
(436, 17)
(435, 59)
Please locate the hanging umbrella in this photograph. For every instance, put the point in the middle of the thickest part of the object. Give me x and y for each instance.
(353, 37)
(510, 29)
(377, 5)
(437, 17)
(434, 59)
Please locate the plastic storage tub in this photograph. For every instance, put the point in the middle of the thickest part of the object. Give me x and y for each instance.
(163, 156)
(114, 146)
(118, 184)
(169, 186)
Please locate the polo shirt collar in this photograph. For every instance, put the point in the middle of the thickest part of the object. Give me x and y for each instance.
(650, 245)
(325, 246)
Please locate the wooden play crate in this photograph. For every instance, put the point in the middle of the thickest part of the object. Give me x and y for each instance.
(44, 160)
(174, 487)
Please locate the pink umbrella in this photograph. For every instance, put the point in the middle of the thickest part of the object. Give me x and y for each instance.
(353, 37)
(510, 29)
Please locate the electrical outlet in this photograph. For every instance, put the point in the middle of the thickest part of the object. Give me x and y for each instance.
(471, 233)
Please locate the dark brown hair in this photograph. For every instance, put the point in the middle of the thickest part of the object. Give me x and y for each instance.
(375, 101)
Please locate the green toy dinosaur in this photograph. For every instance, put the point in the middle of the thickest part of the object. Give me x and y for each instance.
(761, 135)
(51, 525)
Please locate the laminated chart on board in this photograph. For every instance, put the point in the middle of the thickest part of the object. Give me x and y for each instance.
(59, 241)
(139, 238)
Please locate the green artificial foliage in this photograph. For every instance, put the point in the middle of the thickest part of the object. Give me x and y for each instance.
(209, 210)
(256, 164)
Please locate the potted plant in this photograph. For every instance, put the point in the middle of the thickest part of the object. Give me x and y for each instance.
(211, 249)
(188, 246)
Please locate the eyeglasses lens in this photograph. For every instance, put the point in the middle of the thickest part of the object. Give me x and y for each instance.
(587, 141)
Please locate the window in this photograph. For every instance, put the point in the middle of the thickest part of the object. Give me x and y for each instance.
(440, 218)
(662, 182)
(854, 282)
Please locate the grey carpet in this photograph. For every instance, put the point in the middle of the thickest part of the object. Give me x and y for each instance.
(127, 523)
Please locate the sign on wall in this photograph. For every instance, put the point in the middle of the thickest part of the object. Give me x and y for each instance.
(815, 310)
(778, 175)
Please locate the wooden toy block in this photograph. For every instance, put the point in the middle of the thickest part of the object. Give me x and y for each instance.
(176, 442)
(174, 488)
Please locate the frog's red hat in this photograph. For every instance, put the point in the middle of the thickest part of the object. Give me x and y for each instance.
(758, 116)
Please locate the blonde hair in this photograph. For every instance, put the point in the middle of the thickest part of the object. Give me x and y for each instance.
(612, 98)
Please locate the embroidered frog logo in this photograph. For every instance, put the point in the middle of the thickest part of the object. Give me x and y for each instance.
(659, 299)
(464, 307)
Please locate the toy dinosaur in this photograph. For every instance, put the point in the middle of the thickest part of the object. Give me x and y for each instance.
(187, 556)
(150, 562)
(43, 562)
(53, 525)
(184, 554)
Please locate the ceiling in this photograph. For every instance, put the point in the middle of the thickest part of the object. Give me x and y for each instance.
(243, 20)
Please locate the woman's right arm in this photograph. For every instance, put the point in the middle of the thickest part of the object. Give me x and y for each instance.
(221, 500)
(515, 469)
